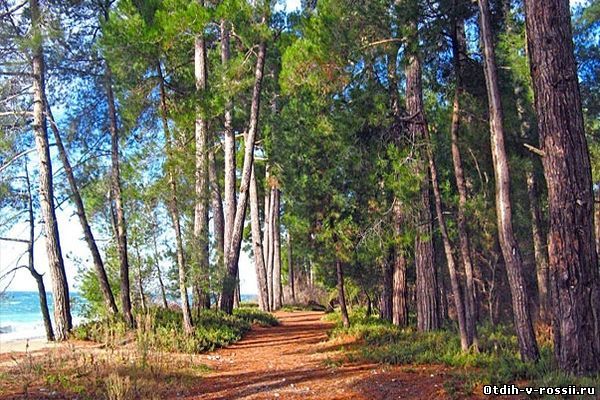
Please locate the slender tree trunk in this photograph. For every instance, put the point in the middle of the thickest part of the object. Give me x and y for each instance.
(226, 298)
(341, 294)
(400, 295)
(386, 307)
(271, 249)
(161, 283)
(217, 207)
(259, 259)
(39, 279)
(267, 242)
(229, 146)
(597, 222)
(201, 176)
(60, 288)
(139, 279)
(466, 340)
(508, 243)
(459, 49)
(539, 245)
(573, 259)
(174, 211)
(277, 288)
(291, 276)
(107, 293)
(428, 306)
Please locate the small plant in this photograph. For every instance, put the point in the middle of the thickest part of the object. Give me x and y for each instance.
(117, 387)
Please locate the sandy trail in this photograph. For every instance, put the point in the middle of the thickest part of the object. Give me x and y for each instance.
(293, 361)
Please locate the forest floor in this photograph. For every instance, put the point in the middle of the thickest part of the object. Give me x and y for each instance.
(295, 360)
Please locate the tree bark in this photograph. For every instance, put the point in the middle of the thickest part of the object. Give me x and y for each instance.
(174, 211)
(539, 245)
(228, 147)
(60, 288)
(459, 49)
(508, 243)
(161, 283)
(341, 294)
(139, 279)
(259, 259)
(277, 289)
(291, 275)
(39, 279)
(107, 293)
(217, 207)
(233, 252)
(201, 178)
(428, 306)
(573, 259)
(386, 306)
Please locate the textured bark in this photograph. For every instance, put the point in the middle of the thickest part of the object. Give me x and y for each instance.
(277, 288)
(508, 243)
(400, 290)
(291, 275)
(39, 279)
(597, 222)
(428, 306)
(60, 288)
(539, 246)
(572, 255)
(233, 252)
(174, 211)
(259, 259)
(161, 284)
(341, 294)
(228, 147)
(217, 207)
(107, 293)
(386, 302)
(459, 49)
(201, 179)
(271, 248)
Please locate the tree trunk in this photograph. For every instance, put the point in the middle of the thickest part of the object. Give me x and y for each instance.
(573, 260)
(597, 222)
(277, 288)
(174, 211)
(341, 294)
(508, 243)
(291, 276)
(201, 178)
(539, 245)
(459, 49)
(428, 306)
(139, 280)
(400, 304)
(31, 264)
(107, 293)
(267, 242)
(227, 292)
(228, 147)
(217, 207)
(386, 306)
(161, 284)
(60, 288)
(259, 259)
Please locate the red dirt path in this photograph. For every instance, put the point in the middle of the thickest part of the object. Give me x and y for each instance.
(293, 361)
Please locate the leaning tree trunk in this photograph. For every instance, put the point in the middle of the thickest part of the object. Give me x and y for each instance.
(573, 259)
(233, 252)
(107, 293)
(341, 293)
(277, 289)
(174, 211)
(259, 259)
(60, 288)
(539, 245)
(201, 180)
(508, 242)
(459, 49)
(428, 306)
(39, 279)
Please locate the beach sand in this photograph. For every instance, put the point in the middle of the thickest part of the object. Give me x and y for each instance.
(23, 345)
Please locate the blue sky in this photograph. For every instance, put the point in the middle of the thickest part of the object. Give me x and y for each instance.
(75, 248)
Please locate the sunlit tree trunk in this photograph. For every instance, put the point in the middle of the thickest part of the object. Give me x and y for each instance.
(291, 275)
(277, 289)
(257, 248)
(508, 243)
(341, 293)
(60, 288)
(573, 259)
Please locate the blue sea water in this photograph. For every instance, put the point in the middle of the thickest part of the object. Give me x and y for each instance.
(21, 317)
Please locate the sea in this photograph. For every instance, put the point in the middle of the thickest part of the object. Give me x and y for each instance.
(21, 317)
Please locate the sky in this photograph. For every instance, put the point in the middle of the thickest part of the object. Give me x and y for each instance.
(74, 247)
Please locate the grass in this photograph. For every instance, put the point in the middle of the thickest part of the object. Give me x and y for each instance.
(497, 362)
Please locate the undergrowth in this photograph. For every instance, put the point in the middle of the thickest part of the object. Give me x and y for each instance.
(496, 362)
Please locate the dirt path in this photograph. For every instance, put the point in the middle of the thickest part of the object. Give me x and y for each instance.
(292, 361)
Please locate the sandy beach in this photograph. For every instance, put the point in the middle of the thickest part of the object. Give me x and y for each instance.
(23, 345)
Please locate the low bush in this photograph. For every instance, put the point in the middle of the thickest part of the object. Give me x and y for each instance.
(162, 329)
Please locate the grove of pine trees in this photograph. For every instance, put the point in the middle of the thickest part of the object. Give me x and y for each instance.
(436, 161)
